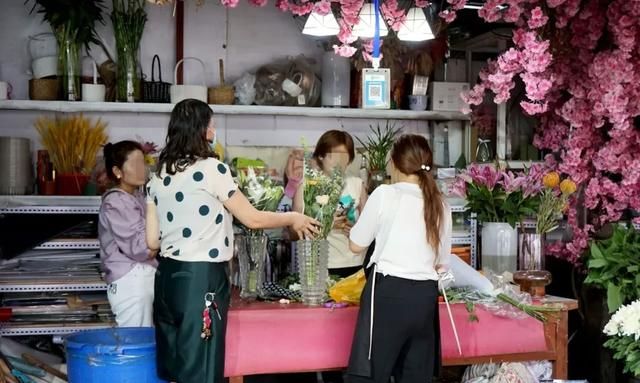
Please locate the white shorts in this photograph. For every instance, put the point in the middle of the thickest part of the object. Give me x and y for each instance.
(131, 297)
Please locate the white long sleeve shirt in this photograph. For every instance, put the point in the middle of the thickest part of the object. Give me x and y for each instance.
(394, 217)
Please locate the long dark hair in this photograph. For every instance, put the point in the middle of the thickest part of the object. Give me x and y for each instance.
(411, 155)
(186, 137)
(116, 155)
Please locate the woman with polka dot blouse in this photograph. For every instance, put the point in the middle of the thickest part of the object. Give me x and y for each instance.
(190, 203)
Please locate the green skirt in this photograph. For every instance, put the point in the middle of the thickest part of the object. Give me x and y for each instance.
(180, 288)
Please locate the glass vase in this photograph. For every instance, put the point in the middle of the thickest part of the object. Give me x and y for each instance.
(313, 264)
(69, 67)
(127, 79)
(252, 252)
(499, 247)
(530, 251)
(483, 151)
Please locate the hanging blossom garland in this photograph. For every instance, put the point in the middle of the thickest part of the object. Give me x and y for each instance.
(580, 63)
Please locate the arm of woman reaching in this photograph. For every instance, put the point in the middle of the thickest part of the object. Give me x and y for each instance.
(367, 226)
(240, 207)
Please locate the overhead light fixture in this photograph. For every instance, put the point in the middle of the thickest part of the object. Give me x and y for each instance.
(415, 27)
(319, 25)
(366, 27)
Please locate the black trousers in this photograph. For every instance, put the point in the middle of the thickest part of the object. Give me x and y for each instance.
(180, 288)
(405, 332)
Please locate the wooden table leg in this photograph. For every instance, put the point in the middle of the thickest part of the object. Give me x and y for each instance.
(561, 364)
(236, 379)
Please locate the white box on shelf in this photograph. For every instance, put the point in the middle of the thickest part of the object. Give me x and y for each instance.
(445, 96)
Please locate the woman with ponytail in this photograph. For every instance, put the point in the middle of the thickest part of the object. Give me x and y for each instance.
(398, 331)
(129, 265)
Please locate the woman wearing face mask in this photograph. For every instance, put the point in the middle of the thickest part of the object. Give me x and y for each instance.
(128, 263)
(190, 203)
(333, 150)
(397, 329)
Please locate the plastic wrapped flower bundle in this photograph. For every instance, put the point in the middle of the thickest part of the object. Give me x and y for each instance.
(261, 191)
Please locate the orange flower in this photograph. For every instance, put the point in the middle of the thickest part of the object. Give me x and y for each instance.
(551, 180)
(568, 187)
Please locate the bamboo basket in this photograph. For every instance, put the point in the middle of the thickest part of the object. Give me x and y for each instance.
(44, 89)
(223, 94)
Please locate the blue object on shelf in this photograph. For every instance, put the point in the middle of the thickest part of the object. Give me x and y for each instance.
(123, 355)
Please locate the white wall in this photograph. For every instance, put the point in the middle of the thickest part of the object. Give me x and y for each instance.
(252, 37)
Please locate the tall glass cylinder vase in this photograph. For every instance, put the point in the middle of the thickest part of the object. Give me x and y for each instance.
(252, 252)
(499, 247)
(530, 251)
(336, 80)
(313, 264)
(127, 80)
(69, 67)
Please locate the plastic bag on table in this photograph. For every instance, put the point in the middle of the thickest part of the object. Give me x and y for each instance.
(349, 289)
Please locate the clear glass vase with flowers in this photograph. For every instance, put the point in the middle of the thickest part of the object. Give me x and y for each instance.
(321, 194)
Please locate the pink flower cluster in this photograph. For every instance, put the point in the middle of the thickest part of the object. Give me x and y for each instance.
(393, 14)
(586, 95)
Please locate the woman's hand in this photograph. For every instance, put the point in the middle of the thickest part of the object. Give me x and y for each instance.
(340, 222)
(153, 253)
(305, 227)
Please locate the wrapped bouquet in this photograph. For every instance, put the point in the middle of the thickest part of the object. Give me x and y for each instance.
(261, 191)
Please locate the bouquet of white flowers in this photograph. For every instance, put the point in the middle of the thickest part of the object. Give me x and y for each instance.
(321, 194)
(624, 332)
(261, 191)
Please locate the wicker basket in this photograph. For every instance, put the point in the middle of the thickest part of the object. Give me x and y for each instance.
(223, 94)
(44, 89)
(156, 91)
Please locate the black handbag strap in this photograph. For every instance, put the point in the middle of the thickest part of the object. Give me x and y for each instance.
(153, 69)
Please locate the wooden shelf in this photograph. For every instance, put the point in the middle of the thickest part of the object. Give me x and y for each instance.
(239, 110)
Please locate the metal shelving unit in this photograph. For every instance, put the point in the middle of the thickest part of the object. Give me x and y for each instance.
(70, 244)
(54, 205)
(16, 329)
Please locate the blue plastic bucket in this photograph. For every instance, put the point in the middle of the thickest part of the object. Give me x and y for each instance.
(123, 355)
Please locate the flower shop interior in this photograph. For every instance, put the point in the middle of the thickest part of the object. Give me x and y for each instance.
(531, 109)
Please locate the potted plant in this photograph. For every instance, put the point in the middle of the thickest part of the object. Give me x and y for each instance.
(500, 199)
(376, 152)
(128, 18)
(624, 338)
(73, 24)
(73, 143)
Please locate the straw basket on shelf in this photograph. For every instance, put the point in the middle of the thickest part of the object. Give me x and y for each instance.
(44, 89)
(223, 94)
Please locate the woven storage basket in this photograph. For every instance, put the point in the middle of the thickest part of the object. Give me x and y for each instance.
(156, 91)
(44, 89)
(223, 94)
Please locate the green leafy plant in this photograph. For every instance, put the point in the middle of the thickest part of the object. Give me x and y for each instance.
(614, 264)
(378, 146)
(72, 19)
(128, 18)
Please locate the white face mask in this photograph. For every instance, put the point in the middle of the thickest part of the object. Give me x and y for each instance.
(213, 142)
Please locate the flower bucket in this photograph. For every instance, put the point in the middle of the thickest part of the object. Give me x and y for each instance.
(313, 269)
(71, 183)
(252, 253)
(499, 247)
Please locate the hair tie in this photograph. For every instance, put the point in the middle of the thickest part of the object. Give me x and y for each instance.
(426, 168)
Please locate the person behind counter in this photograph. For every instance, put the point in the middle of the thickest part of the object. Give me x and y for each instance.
(401, 295)
(129, 265)
(190, 203)
(335, 149)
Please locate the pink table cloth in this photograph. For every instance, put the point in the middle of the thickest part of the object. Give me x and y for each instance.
(272, 338)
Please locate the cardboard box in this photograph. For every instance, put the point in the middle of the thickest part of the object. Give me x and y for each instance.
(445, 96)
